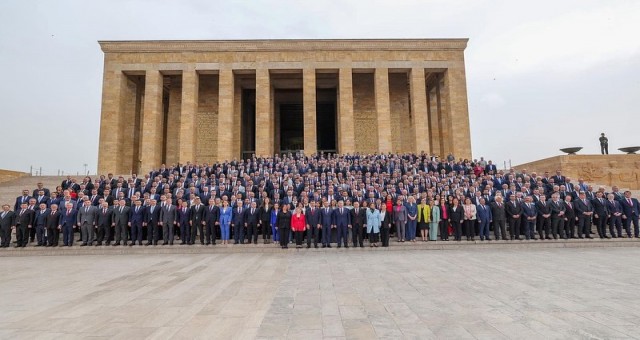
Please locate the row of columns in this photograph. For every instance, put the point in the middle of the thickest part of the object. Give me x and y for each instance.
(423, 122)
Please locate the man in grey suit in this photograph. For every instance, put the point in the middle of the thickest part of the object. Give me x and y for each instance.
(119, 221)
(168, 216)
(87, 221)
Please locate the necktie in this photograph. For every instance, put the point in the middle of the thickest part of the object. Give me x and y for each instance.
(4, 214)
(251, 211)
(629, 200)
(121, 210)
(585, 201)
(86, 210)
(137, 208)
(104, 211)
(68, 212)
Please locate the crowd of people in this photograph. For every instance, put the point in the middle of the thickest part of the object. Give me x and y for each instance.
(318, 200)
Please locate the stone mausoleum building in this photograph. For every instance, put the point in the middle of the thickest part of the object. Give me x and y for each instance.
(208, 101)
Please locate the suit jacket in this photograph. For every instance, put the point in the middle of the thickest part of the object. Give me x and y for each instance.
(184, 216)
(342, 219)
(513, 208)
(104, 218)
(457, 214)
(313, 219)
(250, 218)
(168, 215)
(613, 207)
(152, 217)
(19, 201)
(53, 220)
(599, 207)
(630, 210)
(8, 221)
(326, 217)
(87, 215)
(570, 212)
(498, 212)
(529, 209)
(483, 213)
(581, 207)
(68, 218)
(211, 214)
(237, 217)
(557, 208)
(544, 208)
(197, 214)
(136, 217)
(359, 218)
(39, 217)
(118, 218)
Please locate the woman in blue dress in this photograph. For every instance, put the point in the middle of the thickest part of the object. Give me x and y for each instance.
(274, 230)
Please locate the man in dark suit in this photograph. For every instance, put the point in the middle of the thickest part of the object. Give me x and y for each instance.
(557, 216)
(569, 217)
(7, 221)
(21, 199)
(485, 217)
(600, 213)
(251, 219)
(196, 220)
(358, 224)
(24, 223)
(68, 223)
(184, 218)
(312, 219)
(151, 220)
(103, 224)
(615, 216)
(544, 218)
(631, 210)
(237, 223)
(531, 214)
(326, 224)
(514, 212)
(119, 221)
(498, 211)
(40, 225)
(51, 223)
(584, 211)
(136, 218)
(342, 221)
(168, 217)
(211, 218)
(87, 218)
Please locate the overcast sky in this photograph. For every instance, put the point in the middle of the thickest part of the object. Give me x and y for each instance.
(540, 76)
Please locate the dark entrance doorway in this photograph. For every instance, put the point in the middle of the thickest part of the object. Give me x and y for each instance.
(291, 127)
(326, 120)
(248, 123)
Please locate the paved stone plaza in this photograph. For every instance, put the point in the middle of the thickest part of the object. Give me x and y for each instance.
(455, 294)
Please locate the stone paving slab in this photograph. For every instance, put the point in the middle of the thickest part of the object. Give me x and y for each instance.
(499, 293)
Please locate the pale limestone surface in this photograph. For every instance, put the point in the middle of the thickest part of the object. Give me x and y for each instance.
(458, 294)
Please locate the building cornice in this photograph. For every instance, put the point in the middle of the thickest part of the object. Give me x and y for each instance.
(128, 46)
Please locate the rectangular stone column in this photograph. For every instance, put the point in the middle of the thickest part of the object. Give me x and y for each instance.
(419, 109)
(456, 90)
(264, 115)
(434, 120)
(188, 110)
(383, 109)
(226, 100)
(109, 152)
(309, 103)
(346, 141)
(152, 122)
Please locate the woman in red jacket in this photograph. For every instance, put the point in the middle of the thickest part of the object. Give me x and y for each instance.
(298, 224)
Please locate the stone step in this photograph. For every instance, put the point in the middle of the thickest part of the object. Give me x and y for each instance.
(30, 250)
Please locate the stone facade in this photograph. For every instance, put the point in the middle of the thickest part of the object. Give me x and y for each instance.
(620, 170)
(178, 101)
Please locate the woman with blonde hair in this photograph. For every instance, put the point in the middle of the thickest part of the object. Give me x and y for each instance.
(424, 216)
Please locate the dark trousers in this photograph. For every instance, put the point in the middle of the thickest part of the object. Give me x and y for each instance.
(627, 225)
(5, 236)
(185, 233)
(604, 149)
(32, 233)
(557, 226)
(238, 234)
(457, 230)
(529, 229)
(570, 227)
(514, 227)
(252, 232)
(152, 233)
(342, 235)
(284, 236)
(104, 232)
(266, 230)
(601, 224)
(444, 230)
(40, 231)
(615, 224)
(194, 233)
(326, 235)
(298, 236)
(357, 235)
(500, 229)
(483, 231)
(584, 225)
(384, 236)
(22, 235)
(167, 233)
(469, 228)
(121, 233)
(67, 235)
(136, 232)
(52, 236)
(313, 233)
